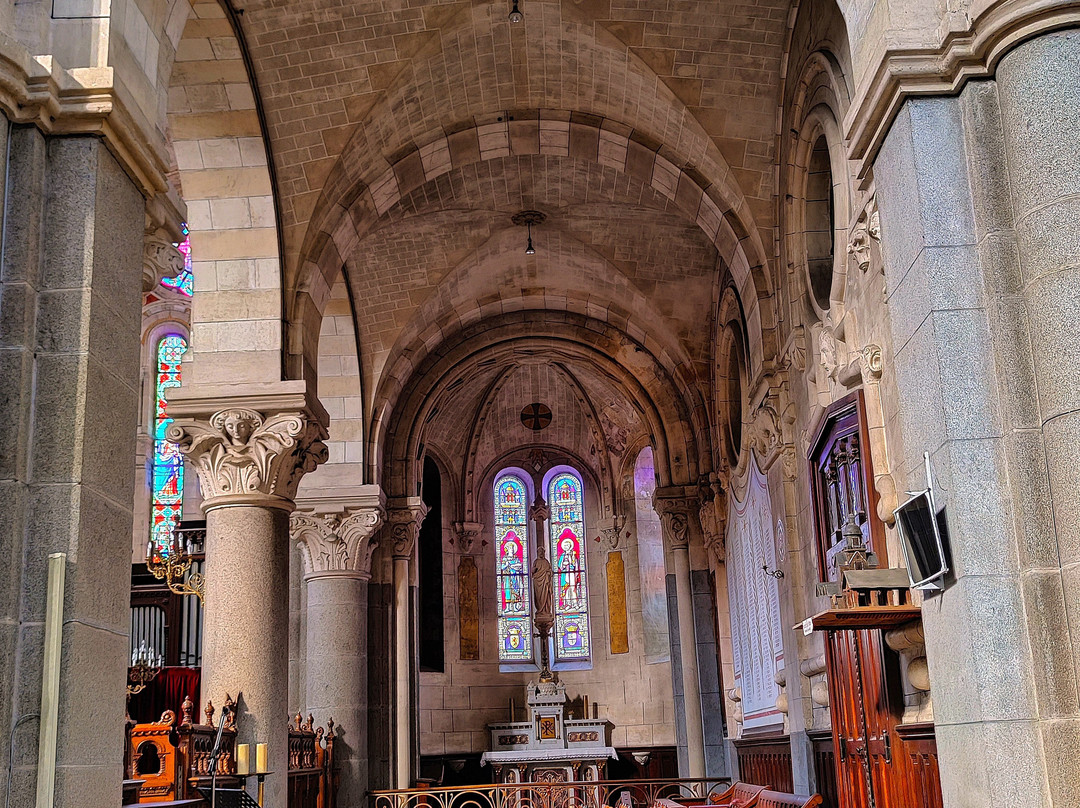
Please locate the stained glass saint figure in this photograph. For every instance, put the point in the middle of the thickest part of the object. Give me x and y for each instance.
(167, 478)
(566, 534)
(511, 569)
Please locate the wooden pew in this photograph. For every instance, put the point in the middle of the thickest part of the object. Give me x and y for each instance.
(780, 799)
(739, 795)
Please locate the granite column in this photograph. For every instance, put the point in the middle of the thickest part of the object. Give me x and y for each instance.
(337, 543)
(676, 509)
(250, 445)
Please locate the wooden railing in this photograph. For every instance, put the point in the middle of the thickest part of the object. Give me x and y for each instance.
(580, 794)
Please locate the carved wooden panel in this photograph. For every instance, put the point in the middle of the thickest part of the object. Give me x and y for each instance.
(766, 762)
(616, 593)
(923, 783)
(825, 767)
(469, 608)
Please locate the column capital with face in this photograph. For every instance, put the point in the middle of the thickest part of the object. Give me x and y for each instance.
(249, 444)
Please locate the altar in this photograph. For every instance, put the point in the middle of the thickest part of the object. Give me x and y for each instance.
(550, 747)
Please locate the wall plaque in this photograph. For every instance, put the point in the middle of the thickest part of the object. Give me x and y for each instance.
(469, 608)
(616, 594)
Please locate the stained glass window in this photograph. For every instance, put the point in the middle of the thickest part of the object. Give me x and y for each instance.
(168, 470)
(511, 569)
(184, 282)
(567, 534)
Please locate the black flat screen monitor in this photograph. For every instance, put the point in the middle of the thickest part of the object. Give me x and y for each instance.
(920, 536)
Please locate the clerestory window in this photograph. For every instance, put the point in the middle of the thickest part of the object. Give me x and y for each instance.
(515, 549)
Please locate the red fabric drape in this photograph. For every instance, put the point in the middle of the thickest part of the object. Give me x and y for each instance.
(167, 692)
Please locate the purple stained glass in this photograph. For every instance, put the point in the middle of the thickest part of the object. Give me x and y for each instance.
(167, 491)
(511, 569)
(567, 534)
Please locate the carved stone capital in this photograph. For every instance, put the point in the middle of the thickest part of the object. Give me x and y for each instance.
(711, 513)
(249, 448)
(675, 505)
(611, 532)
(337, 543)
(467, 536)
(160, 259)
(403, 520)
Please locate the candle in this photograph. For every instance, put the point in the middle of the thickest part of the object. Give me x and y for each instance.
(260, 758)
(242, 764)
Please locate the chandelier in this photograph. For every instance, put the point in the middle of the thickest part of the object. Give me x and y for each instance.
(145, 666)
(171, 563)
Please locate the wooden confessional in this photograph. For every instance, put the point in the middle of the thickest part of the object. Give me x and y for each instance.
(880, 763)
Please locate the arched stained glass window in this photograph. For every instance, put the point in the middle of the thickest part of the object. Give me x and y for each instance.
(184, 283)
(567, 534)
(511, 569)
(167, 485)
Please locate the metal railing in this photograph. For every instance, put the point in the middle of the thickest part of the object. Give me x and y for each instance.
(577, 794)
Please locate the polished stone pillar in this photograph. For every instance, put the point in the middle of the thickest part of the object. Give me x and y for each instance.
(978, 200)
(250, 445)
(70, 304)
(676, 509)
(405, 518)
(337, 539)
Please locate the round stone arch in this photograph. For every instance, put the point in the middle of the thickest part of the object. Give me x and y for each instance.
(726, 221)
(397, 427)
(604, 476)
(597, 289)
(225, 177)
(511, 459)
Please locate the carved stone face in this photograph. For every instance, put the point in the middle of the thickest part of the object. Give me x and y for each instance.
(238, 427)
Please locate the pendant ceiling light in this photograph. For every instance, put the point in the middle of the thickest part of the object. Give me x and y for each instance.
(515, 13)
(527, 218)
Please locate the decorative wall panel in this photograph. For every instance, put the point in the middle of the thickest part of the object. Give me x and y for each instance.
(756, 632)
(469, 608)
(616, 595)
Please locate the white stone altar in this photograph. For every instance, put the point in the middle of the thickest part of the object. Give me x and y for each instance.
(549, 747)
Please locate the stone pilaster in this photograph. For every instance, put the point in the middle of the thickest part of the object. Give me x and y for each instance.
(977, 196)
(337, 539)
(250, 445)
(404, 519)
(676, 507)
(69, 389)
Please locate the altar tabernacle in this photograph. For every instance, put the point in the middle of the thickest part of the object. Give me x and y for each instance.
(550, 747)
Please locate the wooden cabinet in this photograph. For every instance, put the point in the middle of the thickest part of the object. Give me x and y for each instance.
(879, 763)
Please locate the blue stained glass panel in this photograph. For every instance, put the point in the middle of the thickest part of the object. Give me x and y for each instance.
(167, 479)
